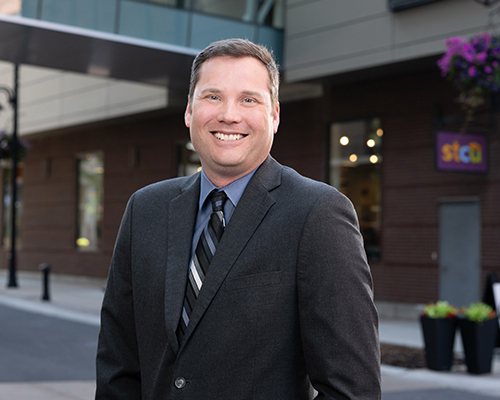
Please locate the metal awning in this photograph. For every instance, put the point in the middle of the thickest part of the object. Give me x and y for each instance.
(62, 47)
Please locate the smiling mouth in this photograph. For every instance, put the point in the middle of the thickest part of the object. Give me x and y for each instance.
(228, 137)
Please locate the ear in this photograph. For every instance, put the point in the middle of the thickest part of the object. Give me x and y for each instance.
(187, 114)
(276, 118)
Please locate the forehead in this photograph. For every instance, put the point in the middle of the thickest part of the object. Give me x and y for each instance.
(225, 71)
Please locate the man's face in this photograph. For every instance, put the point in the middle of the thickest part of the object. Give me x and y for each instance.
(231, 120)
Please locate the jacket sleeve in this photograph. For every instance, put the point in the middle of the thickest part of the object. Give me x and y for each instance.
(118, 372)
(338, 319)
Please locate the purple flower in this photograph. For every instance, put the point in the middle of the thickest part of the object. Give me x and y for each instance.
(481, 57)
(444, 64)
(455, 41)
(473, 64)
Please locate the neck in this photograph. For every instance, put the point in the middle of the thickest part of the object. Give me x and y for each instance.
(222, 181)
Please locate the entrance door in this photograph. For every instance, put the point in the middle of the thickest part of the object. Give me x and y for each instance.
(460, 251)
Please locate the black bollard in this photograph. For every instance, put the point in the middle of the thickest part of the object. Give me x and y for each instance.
(45, 268)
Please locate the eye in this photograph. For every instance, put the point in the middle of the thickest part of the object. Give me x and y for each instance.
(213, 97)
(248, 100)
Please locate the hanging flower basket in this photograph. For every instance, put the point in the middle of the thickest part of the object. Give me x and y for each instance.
(473, 65)
(7, 144)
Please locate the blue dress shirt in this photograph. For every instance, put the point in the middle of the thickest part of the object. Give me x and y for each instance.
(234, 191)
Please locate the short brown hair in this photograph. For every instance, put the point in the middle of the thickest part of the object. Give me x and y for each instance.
(238, 48)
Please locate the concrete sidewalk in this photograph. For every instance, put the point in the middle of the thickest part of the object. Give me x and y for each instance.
(79, 299)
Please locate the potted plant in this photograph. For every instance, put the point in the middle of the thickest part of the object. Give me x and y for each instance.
(478, 327)
(439, 322)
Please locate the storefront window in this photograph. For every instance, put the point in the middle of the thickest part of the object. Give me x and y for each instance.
(7, 207)
(355, 170)
(90, 169)
(188, 160)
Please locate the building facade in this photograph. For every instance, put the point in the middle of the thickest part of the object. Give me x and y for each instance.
(362, 108)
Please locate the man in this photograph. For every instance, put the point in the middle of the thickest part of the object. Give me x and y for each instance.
(281, 301)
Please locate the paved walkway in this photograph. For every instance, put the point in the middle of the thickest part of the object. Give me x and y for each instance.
(79, 299)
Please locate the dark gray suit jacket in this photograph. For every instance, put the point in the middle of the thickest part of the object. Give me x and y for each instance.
(287, 301)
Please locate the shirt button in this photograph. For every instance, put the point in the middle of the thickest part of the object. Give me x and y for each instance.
(180, 383)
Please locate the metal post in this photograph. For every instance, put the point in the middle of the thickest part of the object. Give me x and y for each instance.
(14, 103)
(45, 268)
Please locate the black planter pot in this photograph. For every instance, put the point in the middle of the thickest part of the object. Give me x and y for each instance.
(439, 337)
(479, 342)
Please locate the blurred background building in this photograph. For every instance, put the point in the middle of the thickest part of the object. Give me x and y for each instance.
(103, 86)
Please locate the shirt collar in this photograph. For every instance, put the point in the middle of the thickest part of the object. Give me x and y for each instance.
(234, 190)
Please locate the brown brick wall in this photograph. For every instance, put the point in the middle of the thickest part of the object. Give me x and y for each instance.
(49, 222)
(411, 185)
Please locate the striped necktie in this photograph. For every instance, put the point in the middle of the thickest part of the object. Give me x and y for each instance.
(205, 250)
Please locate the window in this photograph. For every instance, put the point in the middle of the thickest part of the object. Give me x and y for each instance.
(262, 12)
(90, 167)
(355, 170)
(397, 5)
(7, 206)
(171, 3)
(188, 160)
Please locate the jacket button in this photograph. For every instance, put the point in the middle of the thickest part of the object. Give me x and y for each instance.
(180, 383)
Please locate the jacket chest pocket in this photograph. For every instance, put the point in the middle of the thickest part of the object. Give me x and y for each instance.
(253, 280)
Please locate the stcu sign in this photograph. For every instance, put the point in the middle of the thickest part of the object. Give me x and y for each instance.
(461, 152)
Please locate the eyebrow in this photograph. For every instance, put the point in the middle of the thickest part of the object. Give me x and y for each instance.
(218, 91)
(251, 93)
(210, 90)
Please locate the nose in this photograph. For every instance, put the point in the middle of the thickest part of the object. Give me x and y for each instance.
(229, 113)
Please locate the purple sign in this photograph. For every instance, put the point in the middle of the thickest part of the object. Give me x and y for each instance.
(461, 152)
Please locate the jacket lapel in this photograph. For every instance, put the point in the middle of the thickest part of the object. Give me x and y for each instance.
(181, 219)
(250, 211)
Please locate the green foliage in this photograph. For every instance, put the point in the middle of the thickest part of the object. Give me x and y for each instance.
(479, 312)
(440, 309)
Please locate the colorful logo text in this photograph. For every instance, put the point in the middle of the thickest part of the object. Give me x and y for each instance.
(467, 153)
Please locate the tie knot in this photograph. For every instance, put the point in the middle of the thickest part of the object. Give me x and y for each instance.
(218, 198)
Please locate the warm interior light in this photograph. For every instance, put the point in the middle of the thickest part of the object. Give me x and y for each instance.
(373, 159)
(380, 132)
(370, 143)
(344, 140)
(83, 242)
(353, 158)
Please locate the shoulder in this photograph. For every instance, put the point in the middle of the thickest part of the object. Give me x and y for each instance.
(164, 190)
(308, 190)
(285, 181)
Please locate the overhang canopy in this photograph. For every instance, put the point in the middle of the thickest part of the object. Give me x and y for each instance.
(67, 48)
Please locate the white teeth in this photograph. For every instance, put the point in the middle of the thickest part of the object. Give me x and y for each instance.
(222, 136)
